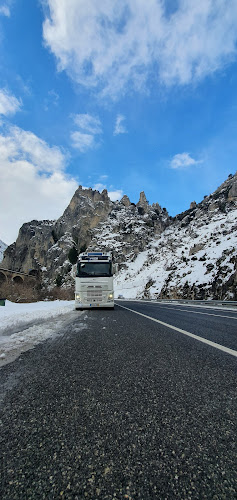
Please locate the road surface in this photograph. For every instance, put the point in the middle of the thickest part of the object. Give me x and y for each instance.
(123, 406)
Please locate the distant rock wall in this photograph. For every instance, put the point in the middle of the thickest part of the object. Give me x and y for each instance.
(30, 249)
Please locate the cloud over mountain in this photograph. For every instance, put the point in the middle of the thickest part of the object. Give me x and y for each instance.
(116, 45)
(33, 180)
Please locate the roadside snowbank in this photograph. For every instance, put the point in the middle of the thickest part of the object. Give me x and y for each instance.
(22, 326)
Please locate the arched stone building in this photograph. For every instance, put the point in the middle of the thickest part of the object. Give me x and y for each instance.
(19, 287)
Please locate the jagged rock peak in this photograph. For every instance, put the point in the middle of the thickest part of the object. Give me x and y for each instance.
(93, 194)
(193, 204)
(228, 187)
(85, 199)
(143, 203)
(157, 207)
(125, 201)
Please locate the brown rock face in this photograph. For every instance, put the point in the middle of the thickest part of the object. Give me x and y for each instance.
(44, 245)
(31, 247)
(86, 209)
(232, 194)
(143, 203)
(125, 201)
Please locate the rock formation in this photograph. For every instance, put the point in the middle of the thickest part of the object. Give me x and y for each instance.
(143, 203)
(125, 201)
(93, 221)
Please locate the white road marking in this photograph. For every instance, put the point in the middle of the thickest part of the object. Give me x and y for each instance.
(195, 312)
(184, 332)
(199, 306)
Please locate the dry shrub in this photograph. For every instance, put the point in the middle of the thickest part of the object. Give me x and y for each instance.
(61, 294)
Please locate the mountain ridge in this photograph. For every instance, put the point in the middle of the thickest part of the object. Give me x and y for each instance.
(137, 232)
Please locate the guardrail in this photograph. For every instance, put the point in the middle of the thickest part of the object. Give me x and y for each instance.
(206, 302)
(188, 301)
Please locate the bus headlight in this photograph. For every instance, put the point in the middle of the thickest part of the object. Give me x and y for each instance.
(110, 296)
(77, 297)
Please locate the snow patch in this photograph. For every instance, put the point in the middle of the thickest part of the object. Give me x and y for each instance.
(25, 325)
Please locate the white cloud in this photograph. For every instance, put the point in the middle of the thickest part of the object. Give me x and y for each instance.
(84, 139)
(115, 195)
(51, 100)
(9, 104)
(24, 145)
(115, 46)
(88, 123)
(183, 160)
(5, 11)
(82, 142)
(119, 126)
(34, 184)
(99, 186)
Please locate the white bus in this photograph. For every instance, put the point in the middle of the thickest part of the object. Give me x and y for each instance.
(94, 281)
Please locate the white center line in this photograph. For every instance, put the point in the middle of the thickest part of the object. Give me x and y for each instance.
(184, 332)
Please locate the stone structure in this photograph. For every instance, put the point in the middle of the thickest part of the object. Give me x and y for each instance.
(18, 286)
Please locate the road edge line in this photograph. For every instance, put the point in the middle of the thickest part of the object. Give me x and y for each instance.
(222, 348)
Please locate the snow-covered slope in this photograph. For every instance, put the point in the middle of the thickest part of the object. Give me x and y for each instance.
(3, 247)
(128, 230)
(194, 262)
(194, 256)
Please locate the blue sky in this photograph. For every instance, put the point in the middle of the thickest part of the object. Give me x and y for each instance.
(125, 95)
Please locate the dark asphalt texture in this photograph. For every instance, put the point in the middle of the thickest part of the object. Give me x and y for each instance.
(119, 407)
(217, 325)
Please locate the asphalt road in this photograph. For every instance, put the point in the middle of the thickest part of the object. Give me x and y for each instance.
(121, 406)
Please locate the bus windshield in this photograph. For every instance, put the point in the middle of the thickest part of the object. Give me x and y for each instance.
(88, 269)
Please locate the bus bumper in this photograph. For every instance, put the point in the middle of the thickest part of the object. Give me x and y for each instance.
(94, 305)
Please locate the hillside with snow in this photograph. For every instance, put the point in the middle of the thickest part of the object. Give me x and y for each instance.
(195, 262)
(194, 256)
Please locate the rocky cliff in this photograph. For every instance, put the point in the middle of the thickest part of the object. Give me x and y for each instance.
(195, 257)
(192, 254)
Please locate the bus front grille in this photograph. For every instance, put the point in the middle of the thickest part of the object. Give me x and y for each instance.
(94, 294)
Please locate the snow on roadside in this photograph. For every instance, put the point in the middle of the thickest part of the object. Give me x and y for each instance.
(22, 326)
(14, 314)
